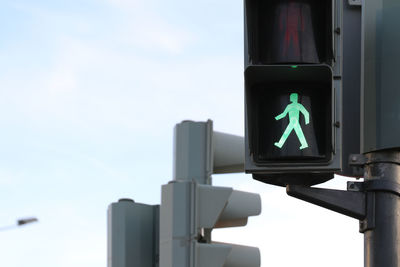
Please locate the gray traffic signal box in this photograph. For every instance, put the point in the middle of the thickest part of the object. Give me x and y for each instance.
(133, 234)
(293, 90)
(189, 210)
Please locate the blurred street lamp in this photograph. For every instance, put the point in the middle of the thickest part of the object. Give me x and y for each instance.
(26, 221)
(20, 222)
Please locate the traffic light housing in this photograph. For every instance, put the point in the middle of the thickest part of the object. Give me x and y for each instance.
(132, 234)
(293, 90)
(191, 208)
(188, 213)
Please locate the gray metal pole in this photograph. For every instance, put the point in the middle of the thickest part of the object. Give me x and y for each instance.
(191, 207)
(193, 151)
(382, 235)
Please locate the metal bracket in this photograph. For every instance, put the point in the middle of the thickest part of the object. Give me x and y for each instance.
(382, 185)
(369, 188)
(374, 185)
(357, 161)
(368, 222)
(355, 186)
(359, 200)
(355, 2)
(383, 157)
(349, 203)
(360, 160)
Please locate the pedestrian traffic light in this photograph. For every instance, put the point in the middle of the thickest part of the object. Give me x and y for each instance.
(293, 90)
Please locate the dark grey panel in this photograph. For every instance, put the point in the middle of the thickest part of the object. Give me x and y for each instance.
(351, 82)
(381, 80)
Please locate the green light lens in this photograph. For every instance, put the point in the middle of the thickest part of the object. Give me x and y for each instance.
(293, 110)
(294, 66)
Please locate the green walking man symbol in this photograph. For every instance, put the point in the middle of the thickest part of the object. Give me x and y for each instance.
(294, 110)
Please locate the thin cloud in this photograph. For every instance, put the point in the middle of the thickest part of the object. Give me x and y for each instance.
(160, 36)
(140, 25)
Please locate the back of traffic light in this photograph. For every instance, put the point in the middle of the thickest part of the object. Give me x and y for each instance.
(293, 90)
(190, 211)
(191, 208)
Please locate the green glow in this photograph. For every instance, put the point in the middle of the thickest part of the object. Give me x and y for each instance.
(294, 66)
(294, 110)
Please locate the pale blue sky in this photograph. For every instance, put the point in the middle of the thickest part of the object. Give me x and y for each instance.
(90, 91)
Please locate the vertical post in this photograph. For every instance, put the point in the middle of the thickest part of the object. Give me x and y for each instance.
(193, 161)
(379, 130)
(382, 232)
(191, 207)
(193, 151)
(199, 152)
(177, 225)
